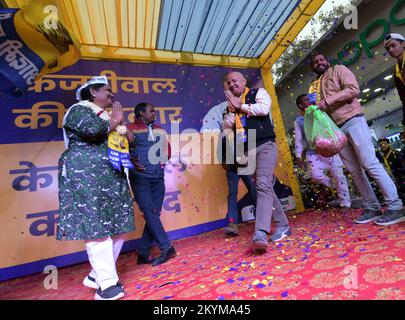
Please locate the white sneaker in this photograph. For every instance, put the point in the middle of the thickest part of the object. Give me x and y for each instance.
(280, 233)
(90, 282)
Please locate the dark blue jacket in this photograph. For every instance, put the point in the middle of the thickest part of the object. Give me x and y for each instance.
(142, 147)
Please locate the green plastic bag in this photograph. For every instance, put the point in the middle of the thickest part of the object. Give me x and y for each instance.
(322, 133)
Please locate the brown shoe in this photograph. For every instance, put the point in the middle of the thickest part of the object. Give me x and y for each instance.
(232, 230)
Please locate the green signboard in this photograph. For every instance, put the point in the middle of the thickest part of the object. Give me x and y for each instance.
(365, 43)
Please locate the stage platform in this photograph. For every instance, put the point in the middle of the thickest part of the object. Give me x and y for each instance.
(327, 256)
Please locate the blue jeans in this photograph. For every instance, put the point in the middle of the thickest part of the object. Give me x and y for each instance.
(149, 194)
(233, 182)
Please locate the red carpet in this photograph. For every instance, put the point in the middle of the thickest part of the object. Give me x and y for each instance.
(322, 259)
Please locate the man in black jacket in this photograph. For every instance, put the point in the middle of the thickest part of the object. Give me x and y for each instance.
(249, 114)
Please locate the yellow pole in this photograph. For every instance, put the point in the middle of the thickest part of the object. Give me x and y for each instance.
(282, 141)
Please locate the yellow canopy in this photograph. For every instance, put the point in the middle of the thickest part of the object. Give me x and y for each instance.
(243, 33)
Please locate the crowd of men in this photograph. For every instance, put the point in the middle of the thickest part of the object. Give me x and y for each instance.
(100, 212)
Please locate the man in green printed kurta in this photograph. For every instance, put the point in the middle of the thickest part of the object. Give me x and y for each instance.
(94, 199)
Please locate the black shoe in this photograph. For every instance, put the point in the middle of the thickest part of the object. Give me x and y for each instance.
(164, 256)
(368, 216)
(111, 293)
(143, 260)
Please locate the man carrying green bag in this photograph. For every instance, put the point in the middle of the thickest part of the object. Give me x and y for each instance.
(336, 91)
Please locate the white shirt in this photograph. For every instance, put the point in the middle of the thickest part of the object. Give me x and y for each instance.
(150, 129)
(260, 108)
(214, 118)
(301, 142)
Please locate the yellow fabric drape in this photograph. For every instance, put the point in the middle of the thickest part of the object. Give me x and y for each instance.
(238, 123)
(398, 70)
(40, 28)
(315, 89)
